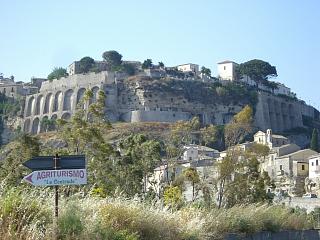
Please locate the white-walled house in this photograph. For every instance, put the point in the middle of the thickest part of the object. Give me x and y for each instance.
(189, 67)
(195, 152)
(314, 167)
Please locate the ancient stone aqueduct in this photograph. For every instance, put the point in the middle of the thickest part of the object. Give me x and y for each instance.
(59, 98)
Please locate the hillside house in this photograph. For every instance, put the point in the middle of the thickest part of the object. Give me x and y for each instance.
(189, 67)
(194, 152)
(314, 167)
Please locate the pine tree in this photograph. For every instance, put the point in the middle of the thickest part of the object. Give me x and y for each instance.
(314, 140)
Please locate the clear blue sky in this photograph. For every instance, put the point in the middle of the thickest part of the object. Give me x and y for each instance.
(39, 35)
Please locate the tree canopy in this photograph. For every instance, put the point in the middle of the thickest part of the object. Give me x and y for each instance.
(206, 71)
(314, 140)
(113, 58)
(240, 126)
(57, 72)
(257, 70)
(147, 64)
(86, 64)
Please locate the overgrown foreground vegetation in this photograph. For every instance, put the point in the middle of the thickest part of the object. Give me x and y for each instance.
(28, 214)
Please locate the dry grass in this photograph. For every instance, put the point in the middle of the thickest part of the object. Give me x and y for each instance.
(28, 215)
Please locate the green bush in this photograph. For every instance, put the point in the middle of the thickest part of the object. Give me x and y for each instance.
(69, 222)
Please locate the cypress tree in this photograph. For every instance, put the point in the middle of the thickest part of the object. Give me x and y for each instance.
(314, 140)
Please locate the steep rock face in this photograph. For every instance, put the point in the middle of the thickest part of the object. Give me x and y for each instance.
(168, 100)
(143, 99)
(9, 127)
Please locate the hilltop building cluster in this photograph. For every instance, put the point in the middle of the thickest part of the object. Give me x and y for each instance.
(12, 89)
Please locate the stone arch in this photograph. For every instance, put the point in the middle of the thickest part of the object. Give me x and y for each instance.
(57, 101)
(43, 125)
(66, 116)
(39, 104)
(95, 91)
(26, 127)
(54, 126)
(35, 126)
(30, 106)
(67, 100)
(48, 103)
(80, 95)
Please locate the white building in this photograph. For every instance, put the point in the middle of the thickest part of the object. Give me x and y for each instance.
(314, 167)
(195, 152)
(269, 139)
(226, 70)
(189, 67)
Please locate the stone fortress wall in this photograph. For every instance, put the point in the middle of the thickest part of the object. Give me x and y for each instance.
(134, 103)
(59, 98)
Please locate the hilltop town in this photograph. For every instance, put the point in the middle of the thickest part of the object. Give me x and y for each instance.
(144, 92)
(174, 134)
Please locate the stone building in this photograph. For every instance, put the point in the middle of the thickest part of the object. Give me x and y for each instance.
(226, 70)
(269, 139)
(189, 67)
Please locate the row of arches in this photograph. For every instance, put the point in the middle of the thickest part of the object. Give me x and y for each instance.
(60, 101)
(38, 125)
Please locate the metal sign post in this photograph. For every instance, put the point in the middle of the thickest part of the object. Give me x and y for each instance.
(56, 188)
(54, 171)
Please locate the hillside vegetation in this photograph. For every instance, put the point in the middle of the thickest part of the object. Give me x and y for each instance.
(27, 214)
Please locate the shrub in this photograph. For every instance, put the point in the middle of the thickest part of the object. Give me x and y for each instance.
(69, 222)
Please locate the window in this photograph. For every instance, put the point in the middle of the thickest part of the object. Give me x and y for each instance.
(280, 167)
(302, 167)
(317, 163)
(224, 67)
(312, 163)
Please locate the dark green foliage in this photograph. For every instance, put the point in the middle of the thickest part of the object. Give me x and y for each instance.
(161, 64)
(11, 169)
(258, 70)
(138, 159)
(86, 64)
(206, 71)
(48, 124)
(113, 58)
(147, 64)
(57, 73)
(128, 68)
(315, 141)
(69, 223)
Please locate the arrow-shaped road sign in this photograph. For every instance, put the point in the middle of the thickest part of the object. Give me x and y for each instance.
(57, 177)
(47, 162)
